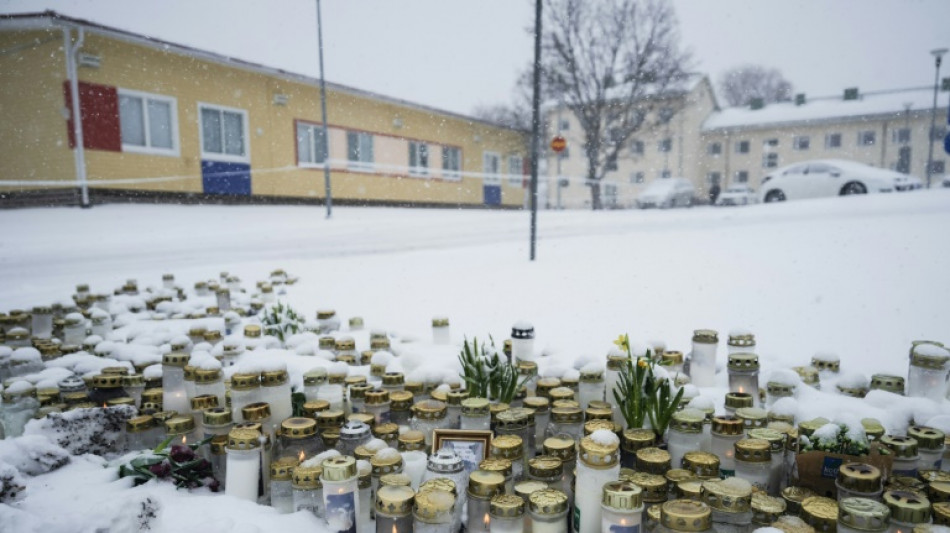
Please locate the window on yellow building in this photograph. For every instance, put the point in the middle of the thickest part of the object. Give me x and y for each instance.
(359, 149)
(311, 144)
(223, 133)
(148, 122)
(418, 158)
(451, 162)
(515, 170)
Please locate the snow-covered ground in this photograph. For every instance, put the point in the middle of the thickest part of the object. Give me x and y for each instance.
(860, 277)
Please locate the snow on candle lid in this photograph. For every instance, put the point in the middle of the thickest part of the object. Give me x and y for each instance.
(522, 330)
(26, 354)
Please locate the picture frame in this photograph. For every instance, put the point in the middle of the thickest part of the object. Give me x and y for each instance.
(473, 446)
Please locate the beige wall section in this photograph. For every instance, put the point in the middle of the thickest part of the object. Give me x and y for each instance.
(33, 100)
(33, 140)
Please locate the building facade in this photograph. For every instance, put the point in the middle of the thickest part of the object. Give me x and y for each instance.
(160, 118)
(710, 145)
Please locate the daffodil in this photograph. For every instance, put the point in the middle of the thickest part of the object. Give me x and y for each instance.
(623, 342)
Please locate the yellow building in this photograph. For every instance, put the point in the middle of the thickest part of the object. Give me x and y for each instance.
(162, 120)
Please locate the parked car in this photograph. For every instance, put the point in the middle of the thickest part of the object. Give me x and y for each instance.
(667, 192)
(832, 177)
(737, 195)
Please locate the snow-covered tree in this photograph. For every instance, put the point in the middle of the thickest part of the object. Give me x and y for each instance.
(740, 85)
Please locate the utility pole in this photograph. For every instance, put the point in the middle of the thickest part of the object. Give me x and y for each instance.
(938, 56)
(323, 110)
(535, 125)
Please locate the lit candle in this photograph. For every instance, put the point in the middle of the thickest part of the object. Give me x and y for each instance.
(243, 464)
(394, 509)
(622, 507)
(340, 499)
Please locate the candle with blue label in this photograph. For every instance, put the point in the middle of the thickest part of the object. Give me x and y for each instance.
(339, 493)
(622, 507)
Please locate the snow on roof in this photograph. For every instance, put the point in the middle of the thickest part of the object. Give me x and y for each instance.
(893, 102)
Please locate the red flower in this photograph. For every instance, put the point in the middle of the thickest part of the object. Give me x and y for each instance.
(181, 453)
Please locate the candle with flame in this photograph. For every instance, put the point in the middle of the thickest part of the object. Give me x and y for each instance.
(394, 509)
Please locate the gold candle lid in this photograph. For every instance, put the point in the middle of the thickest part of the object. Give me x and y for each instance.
(115, 371)
(244, 439)
(691, 490)
(622, 496)
(561, 393)
(794, 496)
(390, 463)
(526, 487)
(252, 331)
(907, 506)
(655, 487)
(124, 400)
(339, 468)
(506, 506)
(377, 397)
(637, 439)
(888, 382)
(752, 417)
(766, 509)
(331, 418)
(686, 515)
(349, 381)
(743, 362)
(547, 502)
(255, 412)
(439, 483)
(311, 408)
(298, 428)
(688, 421)
(306, 478)
(180, 425)
(939, 491)
(204, 376)
(393, 379)
(591, 376)
(545, 466)
(484, 484)
(565, 404)
(727, 496)
(203, 402)
(388, 431)
(702, 464)
(727, 425)
(400, 400)
(653, 460)
(274, 378)
(873, 428)
(753, 451)
(566, 415)
(827, 362)
(775, 438)
(706, 336)
(507, 447)
(282, 469)
(496, 464)
(599, 455)
(941, 513)
(607, 424)
(178, 359)
(598, 413)
(107, 381)
(411, 440)
(863, 514)
(245, 381)
(809, 374)
(139, 423)
(544, 386)
(394, 500)
(395, 480)
(820, 513)
(900, 445)
(927, 438)
(738, 400)
(859, 477)
(563, 448)
(671, 357)
(429, 410)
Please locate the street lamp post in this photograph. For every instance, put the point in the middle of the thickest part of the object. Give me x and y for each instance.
(938, 57)
(323, 111)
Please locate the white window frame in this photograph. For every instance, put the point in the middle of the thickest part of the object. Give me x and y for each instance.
(828, 137)
(867, 133)
(714, 149)
(175, 150)
(415, 169)
(801, 143)
(360, 164)
(313, 128)
(770, 160)
(741, 176)
(515, 179)
(896, 135)
(491, 178)
(227, 158)
(452, 173)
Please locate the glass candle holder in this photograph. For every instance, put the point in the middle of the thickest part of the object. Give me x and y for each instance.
(414, 466)
(377, 403)
(482, 486)
(599, 463)
(591, 387)
(740, 341)
(298, 439)
(731, 505)
(432, 512)
(548, 510)
(672, 361)
(134, 385)
(259, 412)
(930, 446)
(861, 515)
(394, 509)
(307, 490)
(245, 390)
(243, 464)
(859, 480)
(41, 322)
(776, 442)
(475, 415)
(138, 433)
(702, 363)
(216, 421)
(566, 421)
(313, 379)
(753, 460)
(333, 392)
(340, 501)
(510, 447)
(440, 330)
(281, 485)
(776, 390)
(199, 404)
(428, 415)
(632, 441)
(507, 514)
(621, 507)
(726, 431)
(353, 434)
(685, 434)
(275, 390)
(927, 375)
(744, 373)
(522, 342)
(393, 381)
(904, 450)
(400, 407)
(174, 397)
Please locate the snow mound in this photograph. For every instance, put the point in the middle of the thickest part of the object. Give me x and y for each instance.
(605, 437)
(375, 445)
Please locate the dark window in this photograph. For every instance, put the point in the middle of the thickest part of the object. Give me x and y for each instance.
(742, 147)
(714, 148)
(833, 140)
(666, 145)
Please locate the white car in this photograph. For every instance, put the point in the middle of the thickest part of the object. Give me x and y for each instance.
(832, 177)
(667, 192)
(737, 195)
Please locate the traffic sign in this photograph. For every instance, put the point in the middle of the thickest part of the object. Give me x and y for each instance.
(558, 144)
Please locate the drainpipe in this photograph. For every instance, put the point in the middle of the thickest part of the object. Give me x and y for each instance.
(71, 50)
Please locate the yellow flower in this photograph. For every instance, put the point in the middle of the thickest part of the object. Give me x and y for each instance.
(623, 342)
(642, 362)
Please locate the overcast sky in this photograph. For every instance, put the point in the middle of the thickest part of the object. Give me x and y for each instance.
(457, 54)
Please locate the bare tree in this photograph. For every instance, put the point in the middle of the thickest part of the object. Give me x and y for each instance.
(611, 62)
(740, 85)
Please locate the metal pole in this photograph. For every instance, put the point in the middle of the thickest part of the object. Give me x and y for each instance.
(558, 156)
(72, 71)
(938, 55)
(323, 110)
(535, 125)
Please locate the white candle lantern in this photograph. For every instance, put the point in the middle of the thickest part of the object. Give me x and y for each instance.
(730, 503)
(685, 434)
(298, 439)
(393, 381)
(927, 375)
(340, 499)
(308, 490)
(275, 390)
(208, 381)
(904, 450)
(726, 431)
(909, 509)
(753, 459)
(510, 447)
(475, 415)
(432, 512)
(312, 381)
(507, 514)
(394, 509)
(672, 361)
(327, 321)
(223, 297)
(599, 463)
(243, 464)
(483, 485)
(199, 404)
(440, 330)
(281, 486)
(245, 390)
(414, 466)
(740, 341)
(776, 442)
(591, 387)
(522, 342)
(41, 322)
(542, 417)
(174, 397)
(18, 407)
(702, 363)
(74, 329)
(859, 480)
(621, 507)
(930, 446)
(216, 421)
(548, 511)
(862, 515)
(744, 374)
(428, 415)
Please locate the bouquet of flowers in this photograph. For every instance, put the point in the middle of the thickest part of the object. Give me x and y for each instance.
(178, 464)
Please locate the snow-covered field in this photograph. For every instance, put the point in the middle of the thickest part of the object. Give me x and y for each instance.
(860, 277)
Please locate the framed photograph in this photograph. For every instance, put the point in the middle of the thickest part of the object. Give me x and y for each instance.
(471, 445)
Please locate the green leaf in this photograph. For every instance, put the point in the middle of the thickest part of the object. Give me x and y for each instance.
(162, 445)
